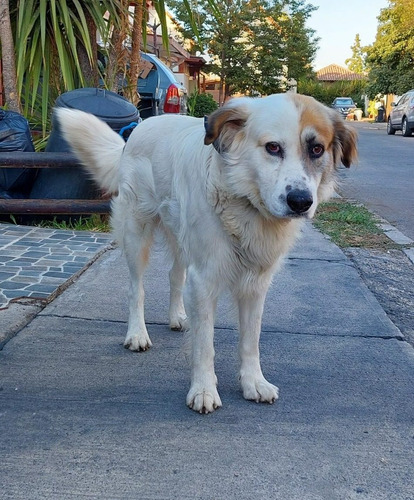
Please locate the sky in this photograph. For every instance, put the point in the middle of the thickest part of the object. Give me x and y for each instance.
(337, 22)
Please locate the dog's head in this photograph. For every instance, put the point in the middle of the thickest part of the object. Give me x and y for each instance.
(281, 151)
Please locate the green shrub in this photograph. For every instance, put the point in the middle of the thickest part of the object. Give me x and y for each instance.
(326, 92)
(200, 105)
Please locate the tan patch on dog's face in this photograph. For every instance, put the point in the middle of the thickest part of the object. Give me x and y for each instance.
(336, 135)
(314, 116)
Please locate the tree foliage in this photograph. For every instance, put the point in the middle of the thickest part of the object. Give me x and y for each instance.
(391, 58)
(255, 45)
(356, 62)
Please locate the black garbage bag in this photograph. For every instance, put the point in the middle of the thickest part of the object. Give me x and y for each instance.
(15, 136)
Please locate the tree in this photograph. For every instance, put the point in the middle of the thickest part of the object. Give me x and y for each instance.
(255, 45)
(301, 41)
(221, 31)
(226, 45)
(391, 58)
(8, 59)
(356, 62)
(283, 47)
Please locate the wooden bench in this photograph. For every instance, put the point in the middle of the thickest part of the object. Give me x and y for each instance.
(19, 159)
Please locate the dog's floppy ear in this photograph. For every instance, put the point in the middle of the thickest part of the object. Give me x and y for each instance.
(222, 125)
(345, 146)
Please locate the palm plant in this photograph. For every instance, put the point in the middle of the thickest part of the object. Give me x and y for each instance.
(56, 48)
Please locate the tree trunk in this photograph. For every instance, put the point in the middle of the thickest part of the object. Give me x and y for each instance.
(89, 67)
(8, 59)
(115, 70)
(135, 59)
(222, 86)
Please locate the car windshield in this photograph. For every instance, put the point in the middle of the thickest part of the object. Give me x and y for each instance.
(344, 102)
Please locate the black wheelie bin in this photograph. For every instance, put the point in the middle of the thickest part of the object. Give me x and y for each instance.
(74, 183)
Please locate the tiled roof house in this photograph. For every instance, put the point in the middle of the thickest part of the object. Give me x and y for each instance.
(336, 73)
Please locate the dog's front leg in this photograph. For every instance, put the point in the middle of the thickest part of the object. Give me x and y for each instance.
(200, 303)
(255, 387)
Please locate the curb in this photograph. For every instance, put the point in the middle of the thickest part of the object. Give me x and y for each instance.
(390, 231)
(398, 237)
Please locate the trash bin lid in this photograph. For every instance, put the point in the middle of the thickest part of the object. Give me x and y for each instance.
(110, 107)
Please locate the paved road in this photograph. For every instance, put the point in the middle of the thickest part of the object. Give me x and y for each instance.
(383, 180)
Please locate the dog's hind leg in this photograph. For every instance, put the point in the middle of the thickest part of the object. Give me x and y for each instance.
(177, 314)
(178, 317)
(137, 243)
(255, 387)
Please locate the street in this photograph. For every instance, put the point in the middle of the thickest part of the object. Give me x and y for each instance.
(382, 181)
(383, 178)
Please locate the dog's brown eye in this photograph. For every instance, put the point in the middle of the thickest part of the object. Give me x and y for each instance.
(316, 151)
(274, 149)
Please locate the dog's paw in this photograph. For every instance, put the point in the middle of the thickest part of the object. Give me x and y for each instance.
(259, 390)
(138, 342)
(179, 322)
(203, 400)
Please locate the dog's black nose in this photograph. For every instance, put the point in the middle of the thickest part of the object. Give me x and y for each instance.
(299, 200)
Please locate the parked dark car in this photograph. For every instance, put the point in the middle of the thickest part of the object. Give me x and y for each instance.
(159, 89)
(402, 115)
(344, 105)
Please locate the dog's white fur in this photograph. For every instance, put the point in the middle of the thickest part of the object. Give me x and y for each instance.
(221, 195)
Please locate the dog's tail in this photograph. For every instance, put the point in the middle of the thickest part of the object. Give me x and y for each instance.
(96, 145)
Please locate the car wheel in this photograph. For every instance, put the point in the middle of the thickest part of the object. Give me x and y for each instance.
(405, 129)
(390, 128)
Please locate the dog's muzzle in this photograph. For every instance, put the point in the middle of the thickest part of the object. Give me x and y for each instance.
(299, 200)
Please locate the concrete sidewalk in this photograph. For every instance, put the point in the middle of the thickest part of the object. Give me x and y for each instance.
(81, 417)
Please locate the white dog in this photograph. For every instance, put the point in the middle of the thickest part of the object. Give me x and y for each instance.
(230, 194)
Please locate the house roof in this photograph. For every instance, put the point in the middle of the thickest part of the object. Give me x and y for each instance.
(335, 73)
